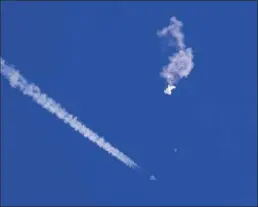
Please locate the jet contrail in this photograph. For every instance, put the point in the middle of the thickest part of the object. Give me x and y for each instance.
(181, 63)
(16, 80)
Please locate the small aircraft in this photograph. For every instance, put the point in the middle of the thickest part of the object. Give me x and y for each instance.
(152, 177)
(169, 89)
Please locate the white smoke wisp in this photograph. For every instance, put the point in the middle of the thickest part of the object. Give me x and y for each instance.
(16, 80)
(181, 63)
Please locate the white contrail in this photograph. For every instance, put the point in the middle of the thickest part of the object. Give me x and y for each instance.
(181, 63)
(16, 80)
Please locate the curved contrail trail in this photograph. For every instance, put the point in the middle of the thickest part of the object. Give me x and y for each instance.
(16, 80)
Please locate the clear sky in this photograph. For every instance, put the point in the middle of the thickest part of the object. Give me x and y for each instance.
(102, 61)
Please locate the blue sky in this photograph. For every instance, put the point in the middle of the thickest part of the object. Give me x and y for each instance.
(102, 61)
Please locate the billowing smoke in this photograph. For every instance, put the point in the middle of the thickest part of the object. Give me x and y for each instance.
(16, 80)
(181, 63)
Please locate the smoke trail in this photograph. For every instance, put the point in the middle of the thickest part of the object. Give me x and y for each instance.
(16, 80)
(181, 63)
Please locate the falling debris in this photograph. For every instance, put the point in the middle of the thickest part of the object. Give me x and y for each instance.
(169, 89)
(152, 177)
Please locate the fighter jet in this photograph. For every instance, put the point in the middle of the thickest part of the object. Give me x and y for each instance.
(152, 177)
(169, 89)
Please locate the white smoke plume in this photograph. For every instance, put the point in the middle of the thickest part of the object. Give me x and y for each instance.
(16, 80)
(181, 63)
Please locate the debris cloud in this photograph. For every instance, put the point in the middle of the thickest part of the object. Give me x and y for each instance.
(180, 63)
